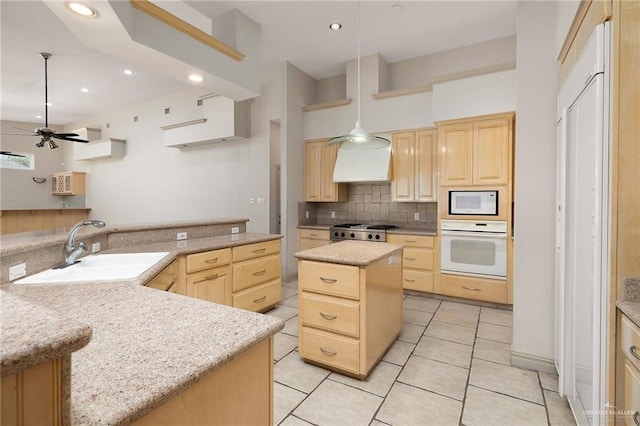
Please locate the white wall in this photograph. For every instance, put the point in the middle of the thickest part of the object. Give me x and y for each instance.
(153, 183)
(566, 10)
(19, 191)
(535, 159)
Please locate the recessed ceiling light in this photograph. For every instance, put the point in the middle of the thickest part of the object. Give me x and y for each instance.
(335, 26)
(196, 78)
(396, 8)
(82, 9)
(85, 90)
(127, 72)
(38, 116)
(49, 104)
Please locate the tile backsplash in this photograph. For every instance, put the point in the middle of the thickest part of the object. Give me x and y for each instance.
(370, 203)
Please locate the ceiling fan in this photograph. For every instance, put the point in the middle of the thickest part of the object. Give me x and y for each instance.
(46, 134)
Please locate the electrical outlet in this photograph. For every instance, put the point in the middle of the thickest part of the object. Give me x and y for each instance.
(333, 215)
(181, 236)
(95, 247)
(235, 230)
(306, 214)
(252, 200)
(17, 271)
(260, 201)
(416, 216)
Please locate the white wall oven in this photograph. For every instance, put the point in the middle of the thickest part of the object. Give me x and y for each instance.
(475, 248)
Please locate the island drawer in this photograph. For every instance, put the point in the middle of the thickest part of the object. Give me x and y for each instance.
(630, 341)
(423, 241)
(251, 251)
(329, 313)
(329, 278)
(413, 279)
(473, 288)
(258, 298)
(314, 234)
(329, 349)
(252, 272)
(417, 258)
(208, 259)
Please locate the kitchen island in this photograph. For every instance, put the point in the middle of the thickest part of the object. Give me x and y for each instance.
(350, 304)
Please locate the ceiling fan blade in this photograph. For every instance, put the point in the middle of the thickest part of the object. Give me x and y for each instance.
(64, 135)
(19, 134)
(70, 139)
(12, 154)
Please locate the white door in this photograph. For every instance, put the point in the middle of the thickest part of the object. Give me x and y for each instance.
(561, 168)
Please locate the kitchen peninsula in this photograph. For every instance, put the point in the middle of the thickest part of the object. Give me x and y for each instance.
(350, 304)
(150, 354)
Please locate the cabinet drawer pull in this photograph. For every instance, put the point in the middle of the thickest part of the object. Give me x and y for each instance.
(260, 272)
(259, 250)
(635, 418)
(209, 277)
(409, 258)
(409, 281)
(327, 316)
(634, 352)
(410, 241)
(328, 280)
(314, 235)
(327, 352)
(214, 260)
(262, 299)
(472, 288)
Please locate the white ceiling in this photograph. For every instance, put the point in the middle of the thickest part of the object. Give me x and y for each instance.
(294, 31)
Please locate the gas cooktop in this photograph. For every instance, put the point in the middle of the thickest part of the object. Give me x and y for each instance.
(358, 231)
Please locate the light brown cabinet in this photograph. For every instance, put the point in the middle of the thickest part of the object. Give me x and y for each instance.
(166, 280)
(256, 278)
(348, 315)
(320, 159)
(420, 261)
(476, 152)
(414, 165)
(312, 238)
(628, 370)
(208, 276)
(68, 183)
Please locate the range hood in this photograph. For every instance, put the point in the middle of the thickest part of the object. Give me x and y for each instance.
(355, 164)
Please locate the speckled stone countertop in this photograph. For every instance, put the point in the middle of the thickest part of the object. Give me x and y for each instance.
(357, 253)
(629, 300)
(147, 345)
(32, 334)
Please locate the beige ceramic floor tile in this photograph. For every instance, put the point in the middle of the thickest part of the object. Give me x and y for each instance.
(289, 292)
(407, 405)
(559, 411)
(497, 316)
(549, 381)
(294, 421)
(444, 351)
(451, 332)
(494, 332)
(283, 312)
(507, 380)
(294, 372)
(290, 284)
(460, 307)
(291, 302)
(378, 382)
(421, 303)
(465, 318)
(337, 404)
(490, 350)
(284, 401)
(399, 352)
(291, 326)
(282, 345)
(487, 408)
(411, 333)
(412, 316)
(444, 379)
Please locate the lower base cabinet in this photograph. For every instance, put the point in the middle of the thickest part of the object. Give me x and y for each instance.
(628, 372)
(238, 393)
(419, 261)
(482, 289)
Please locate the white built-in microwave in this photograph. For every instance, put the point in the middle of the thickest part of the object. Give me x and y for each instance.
(473, 203)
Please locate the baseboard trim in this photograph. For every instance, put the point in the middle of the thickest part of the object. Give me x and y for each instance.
(530, 362)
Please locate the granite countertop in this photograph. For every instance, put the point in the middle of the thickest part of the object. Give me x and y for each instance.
(147, 345)
(629, 300)
(321, 227)
(356, 253)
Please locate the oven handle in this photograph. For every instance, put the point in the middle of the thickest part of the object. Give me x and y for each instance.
(495, 235)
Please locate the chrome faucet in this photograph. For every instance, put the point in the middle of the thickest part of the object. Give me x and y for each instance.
(71, 250)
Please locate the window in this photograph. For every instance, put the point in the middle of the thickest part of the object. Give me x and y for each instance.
(16, 160)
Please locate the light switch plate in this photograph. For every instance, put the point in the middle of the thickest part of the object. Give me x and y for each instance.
(17, 271)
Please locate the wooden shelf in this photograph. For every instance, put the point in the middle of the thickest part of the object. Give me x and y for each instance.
(324, 105)
(401, 92)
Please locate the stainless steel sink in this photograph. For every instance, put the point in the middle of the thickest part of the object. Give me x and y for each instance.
(98, 267)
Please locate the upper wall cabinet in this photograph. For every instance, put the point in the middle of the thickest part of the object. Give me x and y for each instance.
(476, 151)
(320, 159)
(222, 119)
(414, 165)
(97, 148)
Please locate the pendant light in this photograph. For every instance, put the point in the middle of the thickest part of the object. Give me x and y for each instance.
(358, 138)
